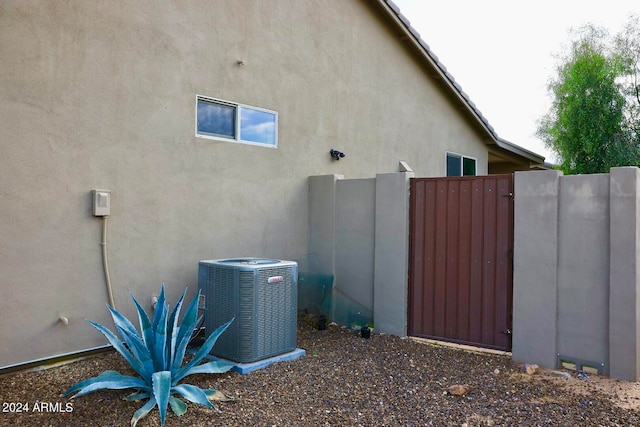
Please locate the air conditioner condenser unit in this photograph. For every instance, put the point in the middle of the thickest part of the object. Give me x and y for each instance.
(262, 295)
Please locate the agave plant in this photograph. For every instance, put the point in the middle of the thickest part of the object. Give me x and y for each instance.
(156, 355)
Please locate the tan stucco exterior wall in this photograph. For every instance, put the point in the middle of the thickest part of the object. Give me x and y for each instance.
(102, 95)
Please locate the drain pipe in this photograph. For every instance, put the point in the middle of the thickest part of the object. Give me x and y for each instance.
(105, 262)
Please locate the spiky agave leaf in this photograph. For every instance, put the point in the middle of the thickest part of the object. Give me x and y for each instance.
(77, 386)
(177, 406)
(189, 322)
(157, 318)
(159, 305)
(135, 364)
(145, 324)
(138, 396)
(193, 394)
(202, 352)
(213, 367)
(143, 411)
(161, 382)
(160, 319)
(174, 330)
(120, 320)
(135, 344)
(110, 380)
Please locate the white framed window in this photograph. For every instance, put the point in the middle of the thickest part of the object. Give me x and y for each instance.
(229, 121)
(459, 165)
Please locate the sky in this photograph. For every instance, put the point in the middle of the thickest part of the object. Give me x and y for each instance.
(503, 52)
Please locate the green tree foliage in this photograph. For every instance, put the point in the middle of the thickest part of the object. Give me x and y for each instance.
(627, 46)
(594, 119)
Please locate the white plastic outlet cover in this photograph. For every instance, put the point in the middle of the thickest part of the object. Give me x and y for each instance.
(101, 202)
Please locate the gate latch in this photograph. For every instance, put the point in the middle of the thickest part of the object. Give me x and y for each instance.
(507, 332)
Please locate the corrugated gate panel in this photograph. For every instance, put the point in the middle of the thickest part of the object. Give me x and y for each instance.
(460, 275)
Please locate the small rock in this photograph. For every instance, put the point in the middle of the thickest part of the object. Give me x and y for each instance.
(458, 390)
(561, 374)
(496, 371)
(530, 368)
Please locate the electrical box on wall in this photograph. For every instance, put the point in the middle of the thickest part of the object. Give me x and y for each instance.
(101, 202)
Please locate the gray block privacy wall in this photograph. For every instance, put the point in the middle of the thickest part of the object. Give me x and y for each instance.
(576, 270)
(359, 236)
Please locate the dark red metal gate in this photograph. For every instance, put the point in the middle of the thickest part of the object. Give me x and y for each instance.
(460, 272)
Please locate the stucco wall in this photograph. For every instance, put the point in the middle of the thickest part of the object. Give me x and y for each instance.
(102, 95)
(363, 247)
(583, 267)
(355, 247)
(576, 284)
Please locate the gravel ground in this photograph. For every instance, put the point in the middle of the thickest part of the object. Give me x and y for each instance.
(344, 380)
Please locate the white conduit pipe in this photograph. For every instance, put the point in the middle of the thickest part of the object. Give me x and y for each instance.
(105, 262)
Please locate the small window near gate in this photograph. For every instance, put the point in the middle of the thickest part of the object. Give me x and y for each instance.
(229, 121)
(459, 165)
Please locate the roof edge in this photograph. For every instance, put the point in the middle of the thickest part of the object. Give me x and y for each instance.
(414, 36)
(521, 151)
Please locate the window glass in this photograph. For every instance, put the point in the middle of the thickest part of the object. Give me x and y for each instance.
(257, 126)
(468, 166)
(453, 165)
(458, 165)
(216, 119)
